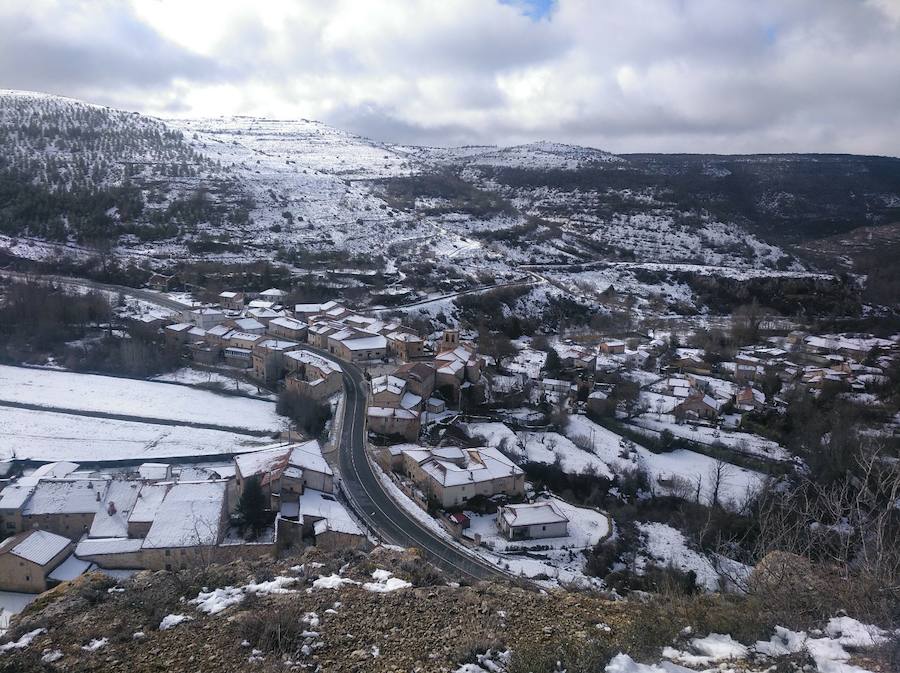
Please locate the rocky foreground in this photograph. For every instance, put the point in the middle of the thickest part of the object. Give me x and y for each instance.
(385, 611)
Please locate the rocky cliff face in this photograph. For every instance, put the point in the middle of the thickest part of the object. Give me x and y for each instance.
(391, 611)
(335, 613)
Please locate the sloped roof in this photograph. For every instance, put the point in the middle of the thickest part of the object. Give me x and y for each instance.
(534, 514)
(190, 515)
(37, 546)
(67, 496)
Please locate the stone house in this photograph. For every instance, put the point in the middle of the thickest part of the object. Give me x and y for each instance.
(288, 328)
(405, 345)
(268, 358)
(612, 346)
(189, 524)
(233, 301)
(452, 476)
(28, 558)
(699, 406)
(311, 375)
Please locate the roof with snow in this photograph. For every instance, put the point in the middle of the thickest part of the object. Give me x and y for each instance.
(190, 515)
(308, 455)
(327, 513)
(247, 324)
(219, 330)
(154, 471)
(276, 344)
(66, 496)
(465, 466)
(288, 323)
(362, 342)
(111, 519)
(306, 357)
(534, 514)
(149, 499)
(69, 569)
(37, 546)
(267, 464)
(388, 384)
(108, 545)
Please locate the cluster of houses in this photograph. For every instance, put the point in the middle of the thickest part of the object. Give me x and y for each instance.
(267, 339)
(60, 520)
(693, 388)
(399, 400)
(451, 477)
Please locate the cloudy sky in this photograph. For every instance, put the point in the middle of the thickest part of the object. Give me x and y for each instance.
(623, 75)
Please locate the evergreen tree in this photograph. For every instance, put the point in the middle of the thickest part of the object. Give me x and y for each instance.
(252, 506)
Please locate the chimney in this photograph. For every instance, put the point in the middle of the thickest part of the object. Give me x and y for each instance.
(111, 508)
(98, 496)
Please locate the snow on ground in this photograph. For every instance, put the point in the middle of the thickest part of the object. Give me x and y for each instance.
(12, 603)
(540, 447)
(100, 643)
(555, 566)
(199, 377)
(689, 467)
(743, 442)
(586, 528)
(385, 582)
(171, 621)
(527, 361)
(215, 601)
(23, 642)
(50, 436)
(830, 650)
(666, 546)
(142, 399)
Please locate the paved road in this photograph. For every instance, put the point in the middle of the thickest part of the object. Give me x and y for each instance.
(370, 500)
(145, 295)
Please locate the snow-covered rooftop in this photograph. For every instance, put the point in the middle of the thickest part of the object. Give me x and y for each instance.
(190, 515)
(37, 546)
(533, 514)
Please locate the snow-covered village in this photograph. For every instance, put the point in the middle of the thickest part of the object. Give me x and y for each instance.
(393, 368)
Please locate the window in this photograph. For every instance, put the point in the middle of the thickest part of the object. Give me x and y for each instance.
(543, 527)
(168, 552)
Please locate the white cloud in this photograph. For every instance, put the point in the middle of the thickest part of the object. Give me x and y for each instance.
(626, 75)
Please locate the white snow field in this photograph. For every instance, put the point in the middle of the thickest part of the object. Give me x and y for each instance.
(540, 447)
(691, 467)
(129, 397)
(47, 435)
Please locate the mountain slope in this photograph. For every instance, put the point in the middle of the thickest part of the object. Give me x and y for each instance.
(78, 178)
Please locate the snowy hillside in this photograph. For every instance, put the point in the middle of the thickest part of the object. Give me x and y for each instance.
(546, 156)
(541, 155)
(79, 179)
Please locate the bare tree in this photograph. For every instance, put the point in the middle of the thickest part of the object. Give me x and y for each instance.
(718, 475)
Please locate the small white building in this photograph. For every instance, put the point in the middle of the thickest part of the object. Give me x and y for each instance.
(204, 318)
(532, 521)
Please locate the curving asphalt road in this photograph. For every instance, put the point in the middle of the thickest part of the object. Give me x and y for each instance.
(372, 503)
(145, 295)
